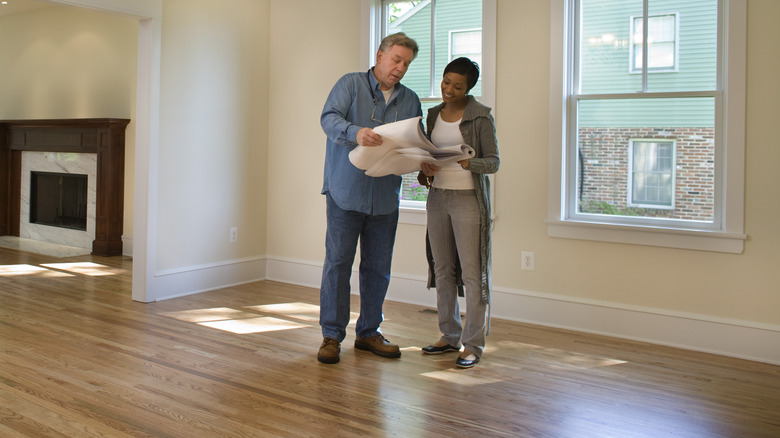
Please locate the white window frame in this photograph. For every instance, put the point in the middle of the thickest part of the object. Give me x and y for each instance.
(729, 235)
(413, 212)
(632, 51)
(631, 202)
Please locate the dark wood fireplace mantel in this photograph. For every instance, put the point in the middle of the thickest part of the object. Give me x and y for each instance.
(104, 137)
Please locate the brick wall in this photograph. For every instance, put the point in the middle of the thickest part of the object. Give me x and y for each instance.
(602, 184)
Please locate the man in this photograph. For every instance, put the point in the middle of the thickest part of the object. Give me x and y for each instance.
(359, 206)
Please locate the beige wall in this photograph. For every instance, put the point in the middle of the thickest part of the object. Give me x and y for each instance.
(742, 287)
(304, 65)
(67, 62)
(213, 132)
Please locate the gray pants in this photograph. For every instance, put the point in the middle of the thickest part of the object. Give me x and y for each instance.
(453, 228)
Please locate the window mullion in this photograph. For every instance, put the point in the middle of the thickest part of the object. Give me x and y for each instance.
(574, 49)
(432, 90)
(645, 50)
(649, 95)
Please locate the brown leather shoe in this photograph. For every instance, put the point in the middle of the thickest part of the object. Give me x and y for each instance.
(329, 351)
(378, 345)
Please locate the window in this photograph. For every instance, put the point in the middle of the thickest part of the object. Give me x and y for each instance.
(466, 43)
(444, 30)
(654, 157)
(652, 174)
(429, 23)
(662, 43)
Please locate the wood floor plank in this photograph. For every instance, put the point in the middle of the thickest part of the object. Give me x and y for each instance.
(79, 358)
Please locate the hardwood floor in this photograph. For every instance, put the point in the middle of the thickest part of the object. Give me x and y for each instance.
(79, 358)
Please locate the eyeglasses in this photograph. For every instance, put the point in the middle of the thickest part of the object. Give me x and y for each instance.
(373, 97)
(382, 122)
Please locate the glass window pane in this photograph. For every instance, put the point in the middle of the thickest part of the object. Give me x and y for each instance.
(414, 19)
(458, 25)
(652, 173)
(662, 28)
(458, 33)
(659, 55)
(466, 43)
(682, 46)
(671, 173)
(605, 45)
(692, 41)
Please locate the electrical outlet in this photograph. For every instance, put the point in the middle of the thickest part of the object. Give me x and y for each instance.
(527, 261)
(233, 234)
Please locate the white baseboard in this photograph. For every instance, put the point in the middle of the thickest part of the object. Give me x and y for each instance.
(174, 283)
(734, 338)
(127, 246)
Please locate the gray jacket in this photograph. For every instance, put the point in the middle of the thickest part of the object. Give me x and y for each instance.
(479, 131)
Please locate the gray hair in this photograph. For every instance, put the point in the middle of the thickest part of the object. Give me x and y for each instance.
(399, 39)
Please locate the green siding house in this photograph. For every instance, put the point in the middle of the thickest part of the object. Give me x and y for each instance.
(457, 32)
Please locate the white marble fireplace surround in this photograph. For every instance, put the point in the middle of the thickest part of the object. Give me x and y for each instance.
(76, 163)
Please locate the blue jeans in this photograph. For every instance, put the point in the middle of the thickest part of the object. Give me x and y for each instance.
(377, 236)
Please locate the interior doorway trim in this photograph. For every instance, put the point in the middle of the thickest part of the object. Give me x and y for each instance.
(147, 117)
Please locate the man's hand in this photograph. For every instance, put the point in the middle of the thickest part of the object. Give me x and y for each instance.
(367, 137)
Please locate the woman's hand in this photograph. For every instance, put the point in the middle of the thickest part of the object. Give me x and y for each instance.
(429, 169)
(424, 180)
(425, 176)
(464, 164)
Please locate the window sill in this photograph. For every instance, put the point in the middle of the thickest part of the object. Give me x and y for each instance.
(716, 241)
(413, 216)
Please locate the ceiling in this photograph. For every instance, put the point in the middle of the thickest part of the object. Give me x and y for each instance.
(17, 6)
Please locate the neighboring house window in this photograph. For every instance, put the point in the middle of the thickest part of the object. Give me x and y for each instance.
(662, 43)
(652, 173)
(467, 43)
(444, 30)
(638, 155)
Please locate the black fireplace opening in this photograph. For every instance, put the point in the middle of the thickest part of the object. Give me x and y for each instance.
(59, 200)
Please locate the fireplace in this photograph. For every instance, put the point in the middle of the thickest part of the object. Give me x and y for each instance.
(102, 139)
(58, 200)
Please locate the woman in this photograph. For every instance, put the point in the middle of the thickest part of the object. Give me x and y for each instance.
(459, 217)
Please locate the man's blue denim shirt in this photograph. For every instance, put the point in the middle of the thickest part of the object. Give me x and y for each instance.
(349, 107)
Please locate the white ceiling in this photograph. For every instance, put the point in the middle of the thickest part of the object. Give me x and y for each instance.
(16, 6)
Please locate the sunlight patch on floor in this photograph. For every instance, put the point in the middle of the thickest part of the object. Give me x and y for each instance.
(253, 325)
(461, 377)
(13, 270)
(585, 361)
(205, 315)
(558, 358)
(304, 311)
(244, 322)
(86, 268)
(61, 270)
